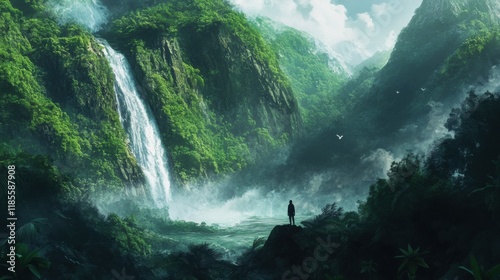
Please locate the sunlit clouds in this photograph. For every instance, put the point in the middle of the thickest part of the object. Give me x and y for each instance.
(364, 33)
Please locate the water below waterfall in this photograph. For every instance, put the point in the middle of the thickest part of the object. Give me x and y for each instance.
(141, 128)
(237, 221)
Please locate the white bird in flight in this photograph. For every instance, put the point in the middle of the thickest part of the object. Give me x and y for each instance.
(340, 136)
(397, 91)
(423, 89)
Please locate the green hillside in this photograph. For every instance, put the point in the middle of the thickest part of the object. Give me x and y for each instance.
(314, 76)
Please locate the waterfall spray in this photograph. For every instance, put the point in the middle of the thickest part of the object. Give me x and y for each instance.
(88, 13)
(141, 128)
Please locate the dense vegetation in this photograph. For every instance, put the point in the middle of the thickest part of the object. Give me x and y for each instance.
(433, 217)
(480, 49)
(61, 130)
(58, 100)
(315, 77)
(430, 217)
(433, 64)
(207, 128)
(180, 51)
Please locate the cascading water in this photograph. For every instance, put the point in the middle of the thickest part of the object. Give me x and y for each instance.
(141, 128)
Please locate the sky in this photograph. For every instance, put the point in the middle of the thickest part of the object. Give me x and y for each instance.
(354, 29)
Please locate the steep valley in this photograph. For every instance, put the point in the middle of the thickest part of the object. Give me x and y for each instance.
(164, 139)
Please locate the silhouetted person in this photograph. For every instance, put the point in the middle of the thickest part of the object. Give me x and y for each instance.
(291, 213)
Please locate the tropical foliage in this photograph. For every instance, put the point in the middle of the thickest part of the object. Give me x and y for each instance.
(479, 272)
(411, 261)
(315, 77)
(60, 128)
(206, 129)
(58, 98)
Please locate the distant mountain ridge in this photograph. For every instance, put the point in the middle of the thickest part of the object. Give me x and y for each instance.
(441, 54)
(437, 10)
(270, 29)
(213, 84)
(315, 72)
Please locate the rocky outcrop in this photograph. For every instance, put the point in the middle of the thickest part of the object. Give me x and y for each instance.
(282, 248)
(218, 102)
(435, 33)
(238, 84)
(76, 121)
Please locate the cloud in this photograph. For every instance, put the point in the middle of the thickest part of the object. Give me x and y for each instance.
(491, 84)
(367, 19)
(390, 41)
(366, 32)
(379, 161)
(88, 13)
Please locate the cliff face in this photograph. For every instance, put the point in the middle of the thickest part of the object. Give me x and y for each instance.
(315, 73)
(58, 100)
(448, 48)
(438, 10)
(215, 88)
(239, 86)
(213, 85)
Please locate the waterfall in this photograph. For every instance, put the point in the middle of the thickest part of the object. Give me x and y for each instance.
(141, 128)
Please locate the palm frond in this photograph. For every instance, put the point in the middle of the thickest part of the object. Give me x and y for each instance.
(494, 271)
(329, 214)
(29, 231)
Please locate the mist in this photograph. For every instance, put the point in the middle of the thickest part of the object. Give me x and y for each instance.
(491, 84)
(354, 36)
(89, 13)
(218, 203)
(230, 201)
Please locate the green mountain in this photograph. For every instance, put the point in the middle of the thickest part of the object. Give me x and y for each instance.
(315, 76)
(377, 60)
(213, 84)
(441, 53)
(58, 100)
(226, 98)
(452, 34)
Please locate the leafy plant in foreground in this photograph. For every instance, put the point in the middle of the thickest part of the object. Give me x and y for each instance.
(330, 214)
(30, 231)
(412, 260)
(28, 261)
(369, 267)
(199, 262)
(479, 273)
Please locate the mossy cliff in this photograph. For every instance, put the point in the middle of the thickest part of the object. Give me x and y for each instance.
(214, 86)
(58, 99)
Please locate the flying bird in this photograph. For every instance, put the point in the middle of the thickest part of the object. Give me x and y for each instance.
(397, 91)
(423, 89)
(340, 136)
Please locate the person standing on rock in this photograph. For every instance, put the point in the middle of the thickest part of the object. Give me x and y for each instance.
(291, 213)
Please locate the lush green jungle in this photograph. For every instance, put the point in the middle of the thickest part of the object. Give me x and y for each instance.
(393, 164)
